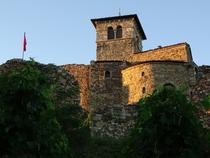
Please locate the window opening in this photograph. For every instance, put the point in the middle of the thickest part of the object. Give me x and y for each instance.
(110, 33)
(119, 32)
(107, 74)
(143, 90)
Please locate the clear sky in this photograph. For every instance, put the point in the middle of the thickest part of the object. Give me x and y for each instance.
(60, 31)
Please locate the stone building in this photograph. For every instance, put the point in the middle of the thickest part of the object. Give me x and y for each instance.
(123, 73)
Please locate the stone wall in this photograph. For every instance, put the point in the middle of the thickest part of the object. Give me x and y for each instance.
(179, 74)
(81, 74)
(202, 88)
(127, 84)
(105, 91)
(113, 121)
(66, 87)
(178, 52)
(116, 49)
(135, 79)
(141, 79)
(109, 116)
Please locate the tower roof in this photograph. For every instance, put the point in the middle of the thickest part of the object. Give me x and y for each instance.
(139, 26)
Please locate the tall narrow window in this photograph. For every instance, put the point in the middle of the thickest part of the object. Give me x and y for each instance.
(143, 90)
(119, 32)
(107, 74)
(110, 33)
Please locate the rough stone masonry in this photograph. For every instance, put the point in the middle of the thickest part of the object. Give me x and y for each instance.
(122, 74)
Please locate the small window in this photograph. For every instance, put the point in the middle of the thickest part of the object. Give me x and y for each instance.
(110, 33)
(107, 74)
(142, 74)
(143, 90)
(119, 32)
(191, 94)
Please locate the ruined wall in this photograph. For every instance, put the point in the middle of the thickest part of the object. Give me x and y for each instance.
(178, 52)
(118, 48)
(135, 80)
(81, 74)
(66, 87)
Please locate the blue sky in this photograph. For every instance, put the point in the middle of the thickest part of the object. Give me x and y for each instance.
(60, 31)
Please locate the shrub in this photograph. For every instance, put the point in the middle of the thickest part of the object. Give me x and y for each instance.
(28, 124)
(167, 126)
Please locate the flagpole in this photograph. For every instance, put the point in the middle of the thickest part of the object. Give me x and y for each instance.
(23, 55)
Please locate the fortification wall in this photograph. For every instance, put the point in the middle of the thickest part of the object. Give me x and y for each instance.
(81, 74)
(67, 89)
(178, 52)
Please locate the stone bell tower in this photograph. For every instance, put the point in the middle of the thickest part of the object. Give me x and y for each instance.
(118, 37)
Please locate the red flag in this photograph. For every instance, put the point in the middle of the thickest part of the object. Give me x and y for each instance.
(24, 42)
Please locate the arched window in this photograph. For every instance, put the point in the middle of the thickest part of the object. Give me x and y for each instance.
(143, 90)
(107, 74)
(142, 74)
(110, 33)
(119, 32)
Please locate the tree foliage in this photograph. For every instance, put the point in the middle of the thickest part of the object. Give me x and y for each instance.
(167, 126)
(206, 102)
(73, 123)
(28, 124)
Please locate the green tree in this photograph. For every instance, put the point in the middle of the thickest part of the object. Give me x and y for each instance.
(28, 124)
(73, 123)
(205, 103)
(167, 126)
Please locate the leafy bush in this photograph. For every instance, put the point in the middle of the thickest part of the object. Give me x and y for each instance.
(72, 119)
(167, 126)
(28, 124)
(104, 148)
(206, 102)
